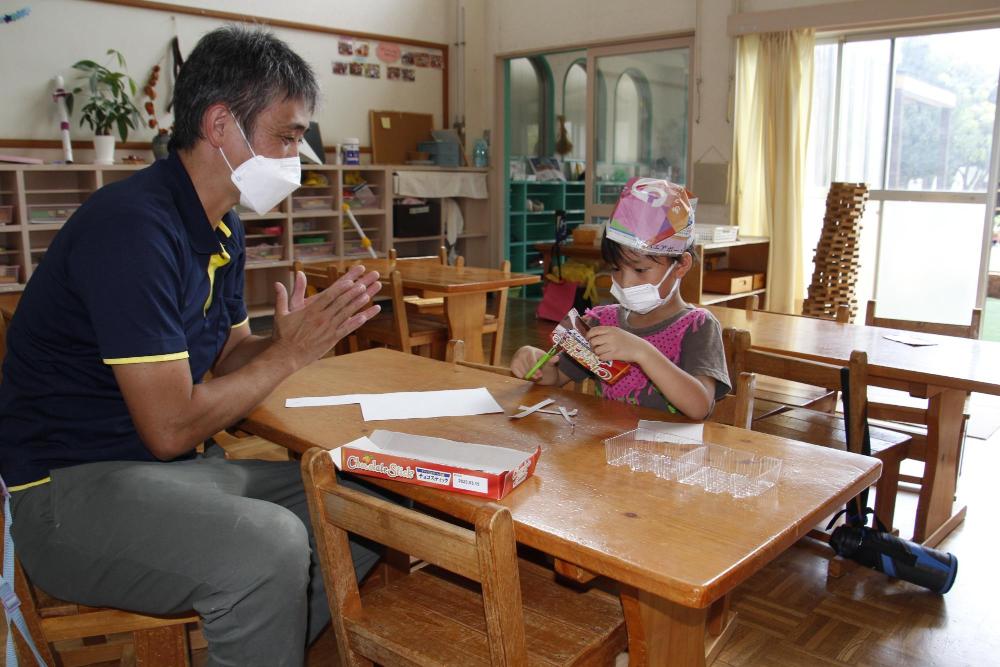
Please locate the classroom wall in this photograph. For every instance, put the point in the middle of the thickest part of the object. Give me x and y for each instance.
(57, 33)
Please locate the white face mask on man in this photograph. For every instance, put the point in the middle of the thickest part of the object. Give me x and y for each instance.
(646, 297)
(264, 181)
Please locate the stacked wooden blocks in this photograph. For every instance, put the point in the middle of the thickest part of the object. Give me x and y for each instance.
(835, 272)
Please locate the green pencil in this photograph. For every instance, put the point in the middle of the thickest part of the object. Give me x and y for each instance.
(541, 362)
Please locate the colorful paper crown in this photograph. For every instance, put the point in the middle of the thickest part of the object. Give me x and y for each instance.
(653, 216)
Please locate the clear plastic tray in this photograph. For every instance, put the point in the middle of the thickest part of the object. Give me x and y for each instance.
(714, 468)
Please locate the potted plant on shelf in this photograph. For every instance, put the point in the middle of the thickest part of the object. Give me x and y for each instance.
(109, 107)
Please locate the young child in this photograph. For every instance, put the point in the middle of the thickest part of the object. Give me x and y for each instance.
(675, 349)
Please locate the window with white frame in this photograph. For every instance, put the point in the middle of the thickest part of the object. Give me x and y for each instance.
(912, 115)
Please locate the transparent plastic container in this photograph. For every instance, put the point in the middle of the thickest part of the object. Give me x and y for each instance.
(714, 468)
(316, 203)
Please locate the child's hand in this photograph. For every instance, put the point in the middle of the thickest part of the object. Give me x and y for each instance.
(526, 358)
(612, 343)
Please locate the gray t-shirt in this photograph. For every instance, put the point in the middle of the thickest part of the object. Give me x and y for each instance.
(692, 339)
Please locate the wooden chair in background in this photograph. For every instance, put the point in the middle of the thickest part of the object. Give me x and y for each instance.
(397, 330)
(796, 393)
(435, 615)
(318, 276)
(898, 410)
(816, 427)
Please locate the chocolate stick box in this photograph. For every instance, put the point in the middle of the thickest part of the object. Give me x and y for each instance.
(571, 337)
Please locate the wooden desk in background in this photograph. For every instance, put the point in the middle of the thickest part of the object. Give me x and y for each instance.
(676, 550)
(464, 290)
(943, 373)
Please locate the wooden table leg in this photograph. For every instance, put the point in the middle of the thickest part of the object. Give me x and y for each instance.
(466, 313)
(661, 632)
(937, 493)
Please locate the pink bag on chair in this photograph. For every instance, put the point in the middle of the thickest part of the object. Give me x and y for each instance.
(557, 299)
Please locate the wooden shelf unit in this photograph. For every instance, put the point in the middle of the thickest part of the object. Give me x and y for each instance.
(748, 254)
(22, 243)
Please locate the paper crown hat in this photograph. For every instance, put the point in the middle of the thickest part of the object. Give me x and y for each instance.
(653, 216)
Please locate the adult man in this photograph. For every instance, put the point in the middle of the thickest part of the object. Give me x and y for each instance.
(101, 406)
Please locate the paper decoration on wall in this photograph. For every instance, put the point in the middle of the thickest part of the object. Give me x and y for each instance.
(339, 68)
(393, 73)
(16, 15)
(345, 48)
(422, 59)
(361, 49)
(373, 71)
(437, 62)
(357, 69)
(409, 74)
(407, 58)
(387, 52)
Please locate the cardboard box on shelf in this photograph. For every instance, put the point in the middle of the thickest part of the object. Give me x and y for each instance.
(726, 281)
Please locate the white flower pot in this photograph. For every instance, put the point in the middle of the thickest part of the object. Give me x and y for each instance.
(104, 149)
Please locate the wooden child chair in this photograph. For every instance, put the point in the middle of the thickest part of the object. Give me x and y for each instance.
(154, 641)
(395, 329)
(474, 603)
(816, 427)
(898, 410)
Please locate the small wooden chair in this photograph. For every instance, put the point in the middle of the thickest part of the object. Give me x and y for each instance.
(796, 393)
(822, 428)
(397, 330)
(318, 276)
(154, 641)
(898, 410)
(439, 614)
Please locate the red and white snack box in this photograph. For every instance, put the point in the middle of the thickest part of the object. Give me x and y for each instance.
(478, 470)
(571, 335)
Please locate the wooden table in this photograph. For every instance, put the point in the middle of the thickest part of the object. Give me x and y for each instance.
(943, 373)
(464, 290)
(674, 549)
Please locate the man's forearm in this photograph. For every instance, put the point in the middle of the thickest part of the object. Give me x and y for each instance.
(245, 352)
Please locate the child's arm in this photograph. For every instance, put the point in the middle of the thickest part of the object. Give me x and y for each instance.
(525, 359)
(692, 395)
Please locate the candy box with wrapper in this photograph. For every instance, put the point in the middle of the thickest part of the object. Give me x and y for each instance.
(571, 336)
(478, 470)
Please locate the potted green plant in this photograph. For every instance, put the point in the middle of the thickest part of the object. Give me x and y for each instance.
(109, 107)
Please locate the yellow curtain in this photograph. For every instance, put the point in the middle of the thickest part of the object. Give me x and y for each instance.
(773, 100)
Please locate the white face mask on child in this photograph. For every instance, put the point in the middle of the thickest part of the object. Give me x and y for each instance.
(644, 298)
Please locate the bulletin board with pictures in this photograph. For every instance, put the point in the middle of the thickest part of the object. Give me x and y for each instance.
(366, 74)
(395, 62)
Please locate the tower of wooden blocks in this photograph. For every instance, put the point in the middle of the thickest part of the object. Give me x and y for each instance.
(835, 272)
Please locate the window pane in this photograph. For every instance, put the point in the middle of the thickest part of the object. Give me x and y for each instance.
(526, 103)
(944, 100)
(628, 122)
(929, 260)
(864, 83)
(575, 110)
(642, 121)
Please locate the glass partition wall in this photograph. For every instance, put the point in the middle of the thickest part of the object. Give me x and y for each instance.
(578, 124)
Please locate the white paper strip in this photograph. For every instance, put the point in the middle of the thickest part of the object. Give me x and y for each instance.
(319, 401)
(425, 404)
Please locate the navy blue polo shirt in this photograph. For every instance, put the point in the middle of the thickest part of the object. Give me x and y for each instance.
(137, 275)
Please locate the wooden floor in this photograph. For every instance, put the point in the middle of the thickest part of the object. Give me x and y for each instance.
(791, 614)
